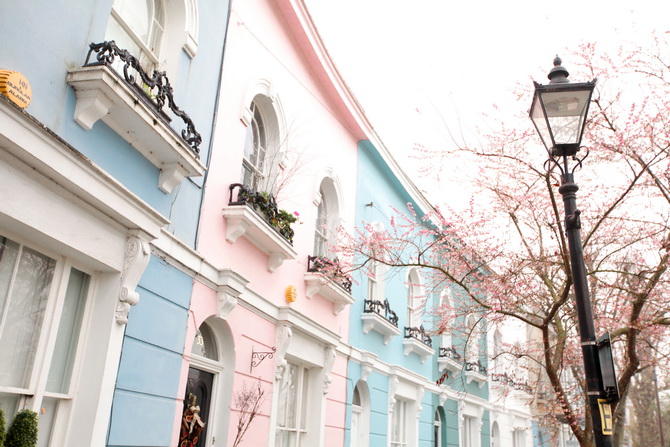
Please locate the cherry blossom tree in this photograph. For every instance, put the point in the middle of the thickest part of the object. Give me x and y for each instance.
(507, 253)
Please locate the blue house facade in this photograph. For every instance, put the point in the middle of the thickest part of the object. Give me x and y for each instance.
(408, 386)
(102, 166)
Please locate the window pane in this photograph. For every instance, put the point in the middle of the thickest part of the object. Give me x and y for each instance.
(24, 303)
(68, 332)
(47, 416)
(204, 343)
(305, 395)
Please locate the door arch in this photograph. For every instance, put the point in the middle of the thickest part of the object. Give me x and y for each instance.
(210, 379)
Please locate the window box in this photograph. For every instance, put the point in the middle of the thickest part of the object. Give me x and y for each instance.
(386, 324)
(138, 118)
(477, 372)
(325, 278)
(449, 359)
(417, 341)
(242, 219)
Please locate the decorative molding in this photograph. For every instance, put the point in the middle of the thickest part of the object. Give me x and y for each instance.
(231, 287)
(393, 388)
(135, 262)
(366, 365)
(329, 360)
(419, 400)
(442, 398)
(284, 335)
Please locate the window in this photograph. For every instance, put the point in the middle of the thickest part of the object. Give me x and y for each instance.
(138, 26)
(414, 296)
(469, 433)
(255, 146)
(321, 227)
(42, 303)
(472, 351)
(360, 416)
(497, 352)
(437, 430)
(518, 438)
(291, 430)
(399, 424)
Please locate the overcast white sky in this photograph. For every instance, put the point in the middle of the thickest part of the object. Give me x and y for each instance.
(405, 60)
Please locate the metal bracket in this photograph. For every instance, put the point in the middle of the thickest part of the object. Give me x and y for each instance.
(258, 357)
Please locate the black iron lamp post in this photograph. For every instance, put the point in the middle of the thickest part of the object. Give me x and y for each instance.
(559, 112)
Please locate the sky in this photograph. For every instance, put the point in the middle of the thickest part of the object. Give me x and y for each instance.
(426, 70)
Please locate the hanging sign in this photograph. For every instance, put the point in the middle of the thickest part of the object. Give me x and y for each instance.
(16, 87)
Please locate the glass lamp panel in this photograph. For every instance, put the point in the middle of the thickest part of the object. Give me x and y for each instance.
(540, 121)
(566, 111)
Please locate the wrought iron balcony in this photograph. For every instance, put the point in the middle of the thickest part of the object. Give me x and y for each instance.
(476, 367)
(331, 268)
(449, 358)
(155, 89)
(140, 108)
(506, 380)
(378, 316)
(419, 333)
(381, 308)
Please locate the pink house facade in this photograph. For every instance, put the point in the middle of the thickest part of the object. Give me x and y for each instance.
(281, 180)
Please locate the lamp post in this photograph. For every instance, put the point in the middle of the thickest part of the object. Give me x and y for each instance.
(559, 112)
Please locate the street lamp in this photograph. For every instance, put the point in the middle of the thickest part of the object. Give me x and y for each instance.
(559, 112)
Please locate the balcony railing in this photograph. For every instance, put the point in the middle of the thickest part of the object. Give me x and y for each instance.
(381, 308)
(419, 333)
(450, 352)
(265, 205)
(330, 268)
(154, 90)
(476, 367)
(505, 379)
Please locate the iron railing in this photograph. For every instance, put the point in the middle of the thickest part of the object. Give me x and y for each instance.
(476, 367)
(450, 352)
(419, 333)
(155, 89)
(381, 308)
(330, 267)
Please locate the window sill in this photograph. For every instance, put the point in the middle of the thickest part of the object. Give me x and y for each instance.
(374, 321)
(241, 220)
(103, 95)
(317, 284)
(418, 347)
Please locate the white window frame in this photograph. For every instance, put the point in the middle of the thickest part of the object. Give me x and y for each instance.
(155, 33)
(414, 296)
(303, 386)
(399, 424)
(35, 395)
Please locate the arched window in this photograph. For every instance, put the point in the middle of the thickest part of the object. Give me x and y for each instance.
(360, 416)
(446, 317)
(261, 147)
(495, 435)
(414, 298)
(472, 351)
(497, 352)
(328, 217)
(437, 429)
(138, 26)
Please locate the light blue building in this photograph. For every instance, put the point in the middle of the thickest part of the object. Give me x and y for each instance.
(406, 386)
(101, 178)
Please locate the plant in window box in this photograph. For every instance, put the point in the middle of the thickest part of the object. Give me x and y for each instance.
(23, 430)
(265, 205)
(2, 427)
(331, 268)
